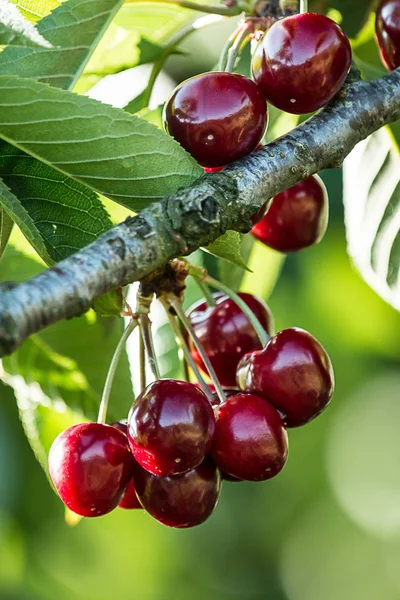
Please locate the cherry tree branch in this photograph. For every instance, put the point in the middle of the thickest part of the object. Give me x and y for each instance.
(197, 215)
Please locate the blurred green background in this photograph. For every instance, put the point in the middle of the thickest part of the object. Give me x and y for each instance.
(327, 528)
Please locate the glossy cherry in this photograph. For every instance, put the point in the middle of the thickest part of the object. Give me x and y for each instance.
(302, 62)
(180, 500)
(217, 117)
(170, 427)
(296, 219)
(293, 372)
(90, 466)
(388, 32)
(250, 440)
(226, 333)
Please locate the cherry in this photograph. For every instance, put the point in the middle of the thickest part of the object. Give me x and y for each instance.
(130, 500)
(293, 372)
(296, 218)
(170, 427)
(217, 117)
(250, 440)
(90, 466)
(226, 333)
(180, 500)
(388, 32)
(302, 62)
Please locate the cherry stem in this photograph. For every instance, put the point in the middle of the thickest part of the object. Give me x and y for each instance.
(145, 331)
(303, 6)
(208, 297)
(102, 416)
(180, 340)
(142, 365)
(225, 51)
(241, 39)
(225, 11)
(185, 365)
(201, 274)
(177, 306)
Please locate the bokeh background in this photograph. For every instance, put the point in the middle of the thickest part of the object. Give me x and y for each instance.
(328, 527)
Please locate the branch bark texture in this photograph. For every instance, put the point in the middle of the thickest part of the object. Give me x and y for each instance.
(195, 216)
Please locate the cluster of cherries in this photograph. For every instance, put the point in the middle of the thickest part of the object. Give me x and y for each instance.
(177, 444)
(299, 65)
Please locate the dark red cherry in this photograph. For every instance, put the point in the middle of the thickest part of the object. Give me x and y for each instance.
(293, 372)
(250, 440)
(302, 62)
(388, 32)
(180, 500)
(296, 218)
(130, 500)
(170, 427)
(90, 466)
(226, 333)
(217, 117)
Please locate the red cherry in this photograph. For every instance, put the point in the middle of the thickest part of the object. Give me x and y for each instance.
(170, 427)
(226, 333)
(130, 501)
(217, 117)
(302, 62)
(296, 218)
(293, 372)
(250, 440)
(91, 465)
(388, 33)
(180, 500)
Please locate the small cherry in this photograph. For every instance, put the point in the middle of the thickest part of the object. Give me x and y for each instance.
(217, 117)
(295, 219)
(388, 33)
(90, 466)
(226, 333)
(180, 500)
(302, 62)
(170, 427)
(293, 372)
(250, 440)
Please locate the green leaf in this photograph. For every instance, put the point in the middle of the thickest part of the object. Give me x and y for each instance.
(117, 154)
(67, 215)
(74, 29)
(372, 212)
(153, 116)
(34, 10)
(110, 304)
(21, 217)
(15, 30)
(228, 247)
(6, 225)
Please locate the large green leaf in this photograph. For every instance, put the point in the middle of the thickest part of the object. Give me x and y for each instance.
(16, 30)
(66, 215)
(74, 29)
(14, 209)
(6, 225)
(34, 10)
(228, 247)
(117, 154)
(372, 211)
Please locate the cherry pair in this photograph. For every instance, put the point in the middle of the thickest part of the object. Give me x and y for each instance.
(299, 65)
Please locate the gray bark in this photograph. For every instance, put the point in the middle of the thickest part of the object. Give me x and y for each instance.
(197, 215)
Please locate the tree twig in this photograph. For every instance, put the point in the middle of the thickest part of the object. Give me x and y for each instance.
(197, 215)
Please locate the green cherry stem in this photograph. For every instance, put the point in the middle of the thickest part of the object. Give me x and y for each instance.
(145, 331)
(112, 370)
(142, 365)
(225, 11)
(185, 365)
(303, 6)
(177, 306)
(241, 39)
(180, 340)
(208, 297)
(225, 50)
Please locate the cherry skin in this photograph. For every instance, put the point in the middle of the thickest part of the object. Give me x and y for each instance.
(250, 440)
(217, 117)
(90, 466)
(129, 500)
(388, 33)
(180, 500)
(293, 372)
(296, 219)
(170, 427)
(302, 62)
(226, 333)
